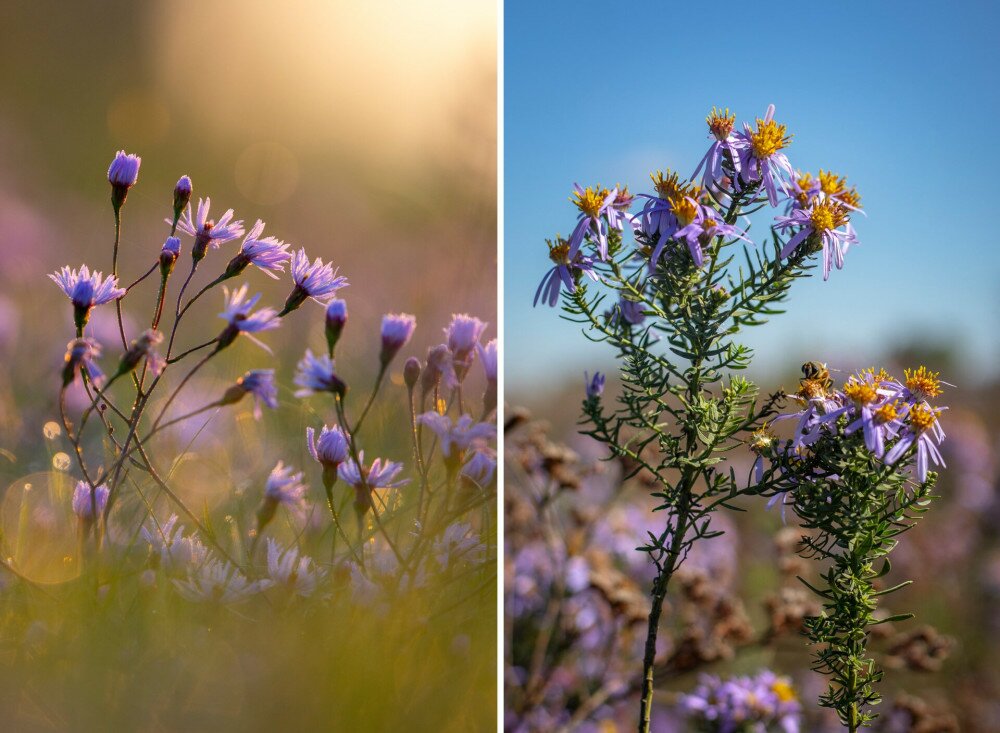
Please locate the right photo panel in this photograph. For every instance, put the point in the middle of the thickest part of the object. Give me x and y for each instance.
(751, 387)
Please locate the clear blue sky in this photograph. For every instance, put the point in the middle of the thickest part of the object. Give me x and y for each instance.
(902, 98)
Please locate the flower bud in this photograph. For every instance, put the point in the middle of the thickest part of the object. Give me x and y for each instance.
(336, 317)
(141, 347)
(182, 195)
(168, 255)
(411, 372)
(122, 175)
(396, 332)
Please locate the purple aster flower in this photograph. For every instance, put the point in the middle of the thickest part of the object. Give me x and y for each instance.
(173, 551)
(207, 232)
(458, 542)
(762, 702)
(564, 272)
(440, 368)
(316, 374)
(597, 213)
(241, 320)
(80, 354)
(285, 487)
(318, 281)
(720, 128)
(673, 207)
(594, 386)
(488, 358)
(463, 334)
(85, 500)
(381, 474)
(627, 311)
(761, 156)
(397, 328)
(456, 437)
(331, 448)
(287, 569)
(141, 348)
(86, 290)
(259, 383)
(705, 225)
(269, 254)
(336, 319)
(218, 582)
(481, 466)
(922, 427)
(122, 175)
(822, 218)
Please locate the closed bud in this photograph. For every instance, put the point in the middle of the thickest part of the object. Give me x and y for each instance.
(411, 372)
(182, 195)
(336, 318)
(168, 256)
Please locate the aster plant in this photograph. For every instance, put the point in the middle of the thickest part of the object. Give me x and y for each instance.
(684, 276)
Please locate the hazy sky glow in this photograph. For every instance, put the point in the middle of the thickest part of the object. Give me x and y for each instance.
(901, 99)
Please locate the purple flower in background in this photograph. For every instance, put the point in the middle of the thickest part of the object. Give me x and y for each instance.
(331, 448)
(259, 383)
(563, 272)
(173, 550)
(743, 703)
(287, 569)
(463, 334)
(488, 358)
(86, 290)
(141, 348)
(218, 582)
(823, 218)
(380, 475)
(397, 328)
(762, 159)
(720, 128)
(241, 320)
(594, 386)
(316, 374)
(629, 311)
(457, 542)
(80, 354)
(336, 319)
(124, 170)
(456, 437)
(85, 500)
(596, 205)
(284, 487)
(268, 254)
(205, 231)
(481, 466)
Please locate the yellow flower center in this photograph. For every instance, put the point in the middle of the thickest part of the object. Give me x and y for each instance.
(830, 183)
(851, 198)
(684, 209)
(590, 200)
(886, 413)
(923, 382)
(861, 393)
(559, 252)
(720, 124)
(804, 180)
(784, 690)
(768, 138)
(922, 418)
(827, 215)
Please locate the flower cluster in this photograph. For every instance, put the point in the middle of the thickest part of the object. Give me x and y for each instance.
(763, 702)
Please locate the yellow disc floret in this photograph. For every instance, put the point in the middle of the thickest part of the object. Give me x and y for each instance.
(559, 251)
(768, 139)
(922, 417)
(783, 689)
(590, 200)
(685, 209)
(923, 382)
(886, 413)
(669, 186)
(827, 215)
(830, 183)
(861, 392)
(720, 124)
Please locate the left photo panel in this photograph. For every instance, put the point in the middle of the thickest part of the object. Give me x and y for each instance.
(248, 367)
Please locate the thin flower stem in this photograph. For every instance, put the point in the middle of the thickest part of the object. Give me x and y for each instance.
(114, 273)
(148, 272)
(193, 349)
(371, 398)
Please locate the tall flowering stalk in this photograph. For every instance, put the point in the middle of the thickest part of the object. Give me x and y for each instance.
(683, 290)
(856, 473)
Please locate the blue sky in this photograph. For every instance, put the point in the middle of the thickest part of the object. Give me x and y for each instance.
(902, 98)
